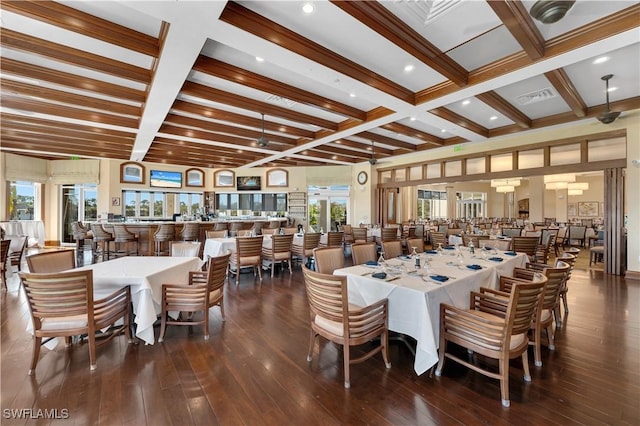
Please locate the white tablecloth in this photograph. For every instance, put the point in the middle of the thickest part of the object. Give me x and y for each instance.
(414, 305)
(34, 229)
(145, 275)
(214, 247)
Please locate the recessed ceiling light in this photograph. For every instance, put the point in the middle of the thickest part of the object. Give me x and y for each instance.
(335, 157)
(353, 95)
(259, 59)
(466, 102)
(600, 60)
(412, 119)
(408, 68)
(443, 131)
(308, 8)
(493, 117)
(611, 89)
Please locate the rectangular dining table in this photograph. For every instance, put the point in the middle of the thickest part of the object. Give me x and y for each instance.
(145, 275)
(415, 298)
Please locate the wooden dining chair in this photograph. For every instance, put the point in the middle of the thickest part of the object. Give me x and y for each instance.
(359, 235)
(269, 231)
(487, 330)
(438, 238)
(527, 245)
(334, 239)
(205, 290)
(328, 259)
(4, 256)
(51, 261)
(304, 251)
(16, 254)
(364, 252)
(248, 253)
(61, 304)
(216, 234)
(414, 242)
(392, 248)
(280, 250)
(388, 234)
(332, 317)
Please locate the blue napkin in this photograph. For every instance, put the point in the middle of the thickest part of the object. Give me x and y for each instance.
(488, 248)
(510, 253)
(448, 247)
(440, 278)
(496, 259)
(380, 275)
(371, 263)
(475, 267)
(405, 257)
(430, 252)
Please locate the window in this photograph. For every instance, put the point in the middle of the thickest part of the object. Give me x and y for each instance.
(132, 173)
(432, 204)
(224, 178)
(194, 177)
(471, 204)
(277, 177)
(24, 200)
(154, 204)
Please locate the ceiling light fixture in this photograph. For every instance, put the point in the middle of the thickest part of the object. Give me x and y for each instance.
(505, 182)
(372, 160)
(505, 188)
(608, 116)
(549, 12)
(308, 8)
(574, 192)
(262, 140)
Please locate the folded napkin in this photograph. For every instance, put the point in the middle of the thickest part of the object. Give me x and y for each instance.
(405, 257)
(440, 278)
(431, 252)
(496, 259)
(488, 248)
(380, 275)
(475, 267)
(371, 263)
(448, 247)
(510, 253)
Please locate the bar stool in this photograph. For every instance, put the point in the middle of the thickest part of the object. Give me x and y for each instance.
(101, 241)
(165, 233)
(190, 232)
(123, 238)
(82, 236)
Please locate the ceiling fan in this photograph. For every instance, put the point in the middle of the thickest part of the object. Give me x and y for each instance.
(608, 116)
(373, 159)
(262, 140)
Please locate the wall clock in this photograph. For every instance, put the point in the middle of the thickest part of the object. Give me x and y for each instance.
(362, 178)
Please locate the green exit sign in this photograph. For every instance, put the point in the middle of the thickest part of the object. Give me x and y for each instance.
(457, 148)
(75, 157)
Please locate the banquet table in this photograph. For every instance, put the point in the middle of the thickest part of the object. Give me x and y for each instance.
(34, 229)
(415, 298)
(145, 275)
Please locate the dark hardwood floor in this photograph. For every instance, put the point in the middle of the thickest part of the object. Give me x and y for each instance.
(253, 370)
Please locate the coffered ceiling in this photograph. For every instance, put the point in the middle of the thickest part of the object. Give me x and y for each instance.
(186, 82)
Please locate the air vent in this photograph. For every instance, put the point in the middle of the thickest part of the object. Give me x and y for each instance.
(430, 10)
(275, 99)
(537, 96)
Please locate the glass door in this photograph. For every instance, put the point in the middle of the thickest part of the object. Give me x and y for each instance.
(326, 212)
(79, 203)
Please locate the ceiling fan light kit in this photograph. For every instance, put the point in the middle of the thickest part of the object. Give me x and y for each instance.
(608, 116)
(549, 12)
(372, 160)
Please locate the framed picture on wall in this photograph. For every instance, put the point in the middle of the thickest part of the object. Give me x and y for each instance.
(132, 173)
(588, 209)
(194, 177)
(572, 209)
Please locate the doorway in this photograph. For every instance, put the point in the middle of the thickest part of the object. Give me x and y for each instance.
(79, 203)
(328, 208)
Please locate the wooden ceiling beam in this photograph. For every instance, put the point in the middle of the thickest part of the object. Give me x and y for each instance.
(57, 52)
(516, 18)
(251, 22)
(565, 88)
(377, 17)
(413, 133)
(71, 19)
(459, 120)
(217, 68)
(498, 103)
(386, 140)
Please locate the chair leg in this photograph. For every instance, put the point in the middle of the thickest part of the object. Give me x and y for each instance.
(222, 310)
(346, 355)
(206, 323)
(311, 342)
(384, 341)
(163, 327)
(550, 336)
(37, 342)
(441, 356)
(504, 378)
(537, 356)
(92, 351)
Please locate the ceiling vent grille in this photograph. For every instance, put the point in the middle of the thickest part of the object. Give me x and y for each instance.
(275, 99)
(430, 10)
(537, 96)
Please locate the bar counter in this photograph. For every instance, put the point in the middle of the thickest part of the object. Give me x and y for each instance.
(145, 230)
